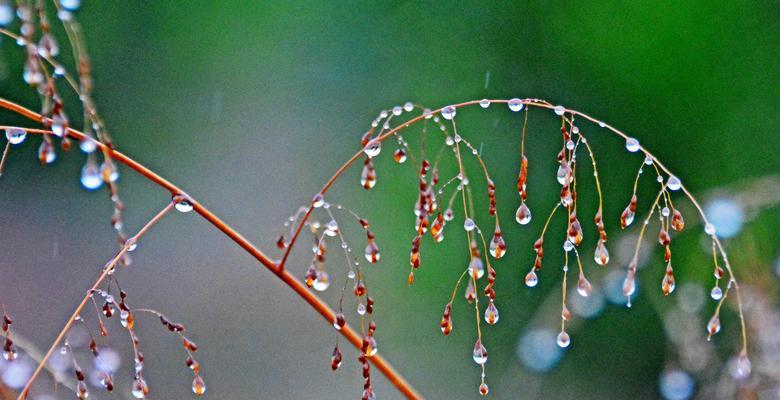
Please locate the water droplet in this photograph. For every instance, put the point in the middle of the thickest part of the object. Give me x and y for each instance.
(15, 135)
(559, 110)
(531, 279)
(515, 105)
(570, 145)
(632, 145)
(90, 176)
(484, 103)
(198, 386)
(46, 153)
(491, 314)
(372, 252)
(668, 284)
(321, 280)
(6, 13)
(408, 106)
(497, 245)
(373, 148)
(673, 183)
(480, 353)
(483, 389)
(523, 214)
(140, 388)
(601, 255)
(397, 110)
(183, 205)
(563, 339)
(629, 284)
(584, 288)
(469, 225)
(743, 366)
(568, 245)
(564, 175)
(448, 112)
(399, 156)
(716, 293)
(709, 229)
(71, 5)
(361, 308)
(713, 326)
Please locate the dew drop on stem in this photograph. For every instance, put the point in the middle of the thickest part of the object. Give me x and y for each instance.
(480, 353)
(515, 105)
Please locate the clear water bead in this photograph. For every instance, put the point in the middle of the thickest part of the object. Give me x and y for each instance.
(90, 176)
(183, 205)
(709, 229)
(716, 293)
(448, 112)
(515, 105)
(673, 183)
(71, 5)
(469, 225)
(6, 14)
(480, 353)
(88, 145)
(570, 145)
(559, 110)
(15, 135)
(408, 106)
(632, 145)
(648, 160)
(563, 339)
(568, 245)
(484, 103)
(397, 110)
(531, 279)
(373, 148)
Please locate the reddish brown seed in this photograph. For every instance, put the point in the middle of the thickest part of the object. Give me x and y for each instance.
(678, 222)
(281, 242)
(189, 345)
(335, 359)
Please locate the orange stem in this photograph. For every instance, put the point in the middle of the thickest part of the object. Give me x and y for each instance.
(320, 306)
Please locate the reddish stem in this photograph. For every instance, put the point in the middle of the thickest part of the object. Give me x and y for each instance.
(320, 306)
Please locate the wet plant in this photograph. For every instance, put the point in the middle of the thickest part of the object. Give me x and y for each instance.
(446, 201)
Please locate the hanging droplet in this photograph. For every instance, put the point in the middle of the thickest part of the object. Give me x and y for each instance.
(448, 112)
(483, 389)
(678, 222)
(368, 176)
(182, 205)
(361, 308)
(480, 353)
(627, 217)
(140, 388)
(515, 105)
(713, 326)
(339, 321)
(370, 346)
(484, 103)
(497, 245)
(743, 366)
(673, 183)
(565, 313)
(632, 145)
(716, 293)
(601, 255)
(318, 201)
(471, 291)
(531, 279)
(446, 320)
(321, 281)
(476, 268)
(563, 339)
(372, 252)
(523, 214)
(332, 228)
(81, 390)
(15, 135)
(469, 225)
(668, 285)
(491, 314)
(399, 156)
(198, 386)
(373, 148)
(47, 46)
(90, 176)
(449, 215)
(559, 110)
(584, 288)
(563, 175)
(568, 246)
(46, 153)
(335, 359)
(709, 229)
(629, 284)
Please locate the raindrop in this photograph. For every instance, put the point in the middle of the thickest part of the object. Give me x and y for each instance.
(515, 105)
(90, 176)
(601, 255)
(584, 288)
(140, 388)
(523, 215)
(198, 386)
(373, 148)
(531, 279)
(321, 280)
(15, 135)
(183, 205)
(408, 106)
(448, 112)
(673, 183)
(632, 145)
(480, 353)
(563, 339)
(484, 103)
(709, 229)
(491, 314)
(559, 110)
(716, 293)
(483, 389)
(469, 225)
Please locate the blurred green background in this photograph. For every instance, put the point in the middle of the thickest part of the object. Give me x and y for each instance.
(251, 106)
